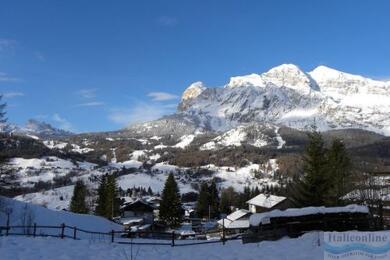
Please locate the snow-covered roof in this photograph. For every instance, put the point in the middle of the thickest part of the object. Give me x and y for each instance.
(243, 223)
(262, 218)
(266, 200)
(233, 220)
(138, 204)
(237, 214)
(131, 220)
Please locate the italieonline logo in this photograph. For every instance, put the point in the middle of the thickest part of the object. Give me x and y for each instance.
(357, 245)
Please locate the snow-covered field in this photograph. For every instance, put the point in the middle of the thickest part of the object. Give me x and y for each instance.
(58, 198)
(30, 171)
(305, 247)
(27, 214)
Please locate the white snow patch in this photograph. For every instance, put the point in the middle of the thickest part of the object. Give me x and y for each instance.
(137, 154)
(185, 141)
(54, 144)
(279, 138)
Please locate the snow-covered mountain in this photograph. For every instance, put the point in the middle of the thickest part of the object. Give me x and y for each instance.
(36, 129)
(286, 95)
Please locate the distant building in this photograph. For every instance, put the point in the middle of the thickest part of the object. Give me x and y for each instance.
(293, 222)
(267, 202)
(137, 213)
(237, 221)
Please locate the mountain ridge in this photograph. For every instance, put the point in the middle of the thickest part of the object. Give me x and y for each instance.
(286, 95)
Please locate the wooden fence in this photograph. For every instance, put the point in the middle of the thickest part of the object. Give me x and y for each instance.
(121, 237)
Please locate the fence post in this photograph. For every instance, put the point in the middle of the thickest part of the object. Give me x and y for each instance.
(35, 230)
(112, 236)
(173, 239)
(223, 231)
(63, 230)
(74, 232)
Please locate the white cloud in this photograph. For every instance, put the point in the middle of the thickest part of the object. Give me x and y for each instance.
(168, 21)
(162, 96)
(7, 44)
(6, 77)
(141, 112)
(13, 94)
(87, 93)
(39, 56)
(91, 104)
(62, 122)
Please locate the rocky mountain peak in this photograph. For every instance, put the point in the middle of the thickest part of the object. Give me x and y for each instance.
(194, 90)
(291, 76)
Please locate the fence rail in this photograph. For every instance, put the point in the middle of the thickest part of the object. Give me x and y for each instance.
(120, 237)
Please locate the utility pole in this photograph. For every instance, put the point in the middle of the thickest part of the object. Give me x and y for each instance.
(112, 208)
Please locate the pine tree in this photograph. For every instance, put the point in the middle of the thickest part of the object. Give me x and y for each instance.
(171, 211)
(312, 189)
(113, 200)
(339, 172)
(228, 199)
(202, 205)
(78, 203)
(102, 197)
(214, 200)
(108, 201)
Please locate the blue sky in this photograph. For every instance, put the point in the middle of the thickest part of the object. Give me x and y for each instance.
(97, 65)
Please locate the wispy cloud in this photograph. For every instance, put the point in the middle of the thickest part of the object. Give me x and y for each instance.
(162, 96)
(141, 112)
(91, 104)
(39, 55)
(62, 122)
(5, 77)
(87, 93)
(167, 21)
(13, 94)
(6, 44)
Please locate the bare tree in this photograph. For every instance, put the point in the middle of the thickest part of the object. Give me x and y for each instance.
(371, 191)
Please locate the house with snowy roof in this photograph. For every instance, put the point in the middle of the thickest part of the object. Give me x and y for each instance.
(266, 202)
(293, 222)
(236, 222)
(137, 213)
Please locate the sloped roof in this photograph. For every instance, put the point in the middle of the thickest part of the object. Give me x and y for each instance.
(259, 218)
(242, 223)
(237, 214)
(138, 205)
(266, 200)
(233, 220)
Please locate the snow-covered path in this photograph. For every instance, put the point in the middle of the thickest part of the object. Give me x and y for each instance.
(15, 248)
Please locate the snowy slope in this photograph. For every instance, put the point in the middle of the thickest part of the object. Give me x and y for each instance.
(27, 172)
(27, 214)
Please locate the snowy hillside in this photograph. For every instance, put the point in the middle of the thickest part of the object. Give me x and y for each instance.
(286, 95)
(27, 214)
